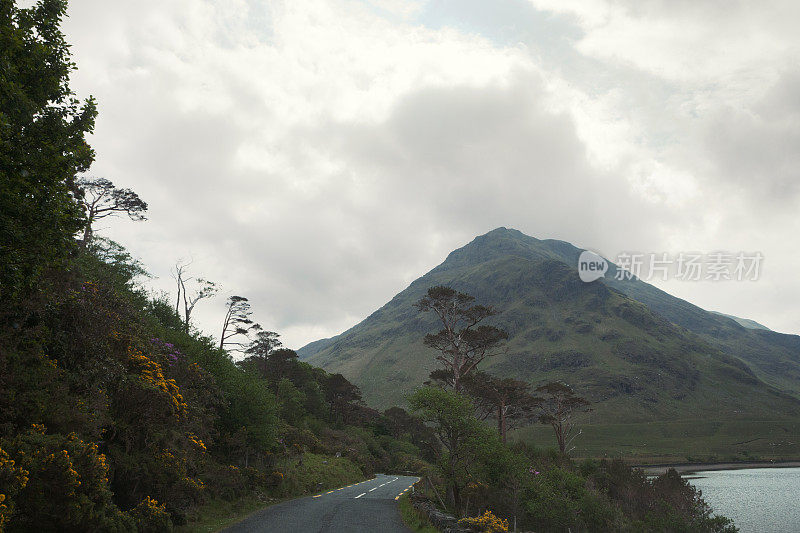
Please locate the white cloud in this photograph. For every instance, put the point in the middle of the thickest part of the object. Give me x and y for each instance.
(318, 156)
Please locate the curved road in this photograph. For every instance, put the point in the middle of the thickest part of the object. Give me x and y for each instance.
(366, 506)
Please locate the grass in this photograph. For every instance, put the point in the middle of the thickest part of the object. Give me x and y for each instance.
(318, 472)
(315, 473)
(218, 514)
(682, 441)
(415, 520)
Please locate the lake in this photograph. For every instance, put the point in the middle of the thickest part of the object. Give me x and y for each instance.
(757, 499)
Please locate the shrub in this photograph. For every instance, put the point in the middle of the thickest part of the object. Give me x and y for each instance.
(486, 523)
(150, 517)
(67, 487)
(12, 480)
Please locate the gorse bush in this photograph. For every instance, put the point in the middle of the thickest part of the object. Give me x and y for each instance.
(62, 484)
(150, 517)
(486, 523)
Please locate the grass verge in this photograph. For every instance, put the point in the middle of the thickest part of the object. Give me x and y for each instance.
(302, 478)
(415, 520)
(218, 514)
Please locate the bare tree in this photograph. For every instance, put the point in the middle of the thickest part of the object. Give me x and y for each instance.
(462, 342)
(203, 289)
(560, 407)
(101, 198)
(237, 322)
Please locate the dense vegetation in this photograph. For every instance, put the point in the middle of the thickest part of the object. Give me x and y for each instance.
(479, 474)
(115, 413)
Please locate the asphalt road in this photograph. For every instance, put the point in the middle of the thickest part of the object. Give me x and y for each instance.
(369, 506)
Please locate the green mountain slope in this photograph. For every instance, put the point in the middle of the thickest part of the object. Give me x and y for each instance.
(619, 343)
(744, 322)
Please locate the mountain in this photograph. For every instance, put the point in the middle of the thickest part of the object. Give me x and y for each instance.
(639, 354)
(744, 322)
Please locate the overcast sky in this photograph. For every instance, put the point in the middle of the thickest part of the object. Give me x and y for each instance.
(318, 156)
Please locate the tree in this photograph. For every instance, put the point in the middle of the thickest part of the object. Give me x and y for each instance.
(560, 406)
(463, 342)
(340, 395)
(402, 425)
(43, 146)
(204, 289)
(265, 343)
(507, 400)
(462, 436)
(237, 321)
(267, 359)
(100, 198)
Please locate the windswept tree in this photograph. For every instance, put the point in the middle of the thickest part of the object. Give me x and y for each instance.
(237, 322)
(100, 198)
(507, 400)
(463, 342)
(202, 289)
(560, 407)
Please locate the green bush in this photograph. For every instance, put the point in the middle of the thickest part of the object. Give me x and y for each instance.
(150, 517)
(67, 485)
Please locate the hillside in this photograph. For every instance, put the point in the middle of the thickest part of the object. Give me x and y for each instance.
(638, 353)
(744, 322)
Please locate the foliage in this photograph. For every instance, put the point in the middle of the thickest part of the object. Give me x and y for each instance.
(65, 484)
(414, 519)
(540, 491)
(237, 321)
(560, 406)
(467, 444)
(463, 342)
(99, 198)
(150, 517)
(486, 523)
(507, 400)
(39, 212)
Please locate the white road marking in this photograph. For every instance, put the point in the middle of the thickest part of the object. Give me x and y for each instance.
(360, 495)
(370, 490)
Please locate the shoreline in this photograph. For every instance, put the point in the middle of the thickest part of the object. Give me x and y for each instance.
(689, 468)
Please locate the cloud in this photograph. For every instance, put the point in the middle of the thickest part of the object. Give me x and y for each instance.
(318, 156)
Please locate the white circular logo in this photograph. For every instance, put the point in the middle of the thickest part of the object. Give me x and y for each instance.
(591, 266)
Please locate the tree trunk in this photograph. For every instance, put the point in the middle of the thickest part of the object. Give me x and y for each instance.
(501, 420)
(457, 500)
(87, 234)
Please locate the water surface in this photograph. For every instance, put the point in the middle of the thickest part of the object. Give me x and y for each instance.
(757, 499)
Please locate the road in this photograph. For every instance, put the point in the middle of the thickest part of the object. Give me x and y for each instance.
(368, 506)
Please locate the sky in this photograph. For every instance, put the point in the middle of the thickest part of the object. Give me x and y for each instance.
(318, 156)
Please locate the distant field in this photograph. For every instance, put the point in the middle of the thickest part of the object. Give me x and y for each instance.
(681, 441)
